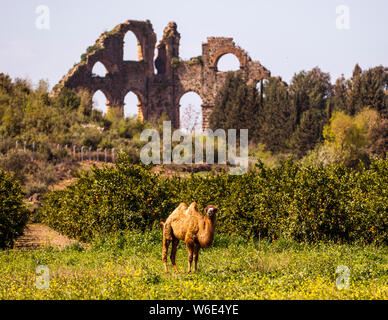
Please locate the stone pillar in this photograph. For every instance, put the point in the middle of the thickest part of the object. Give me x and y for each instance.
(139, 51)
(140, 114)
(206, 112)
(174, 115)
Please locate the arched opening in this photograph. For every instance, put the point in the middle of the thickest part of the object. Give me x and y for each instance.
(228, 62)
(132, 48)
(99, 70)
(131, 105)
(190, 113)
(100, 101)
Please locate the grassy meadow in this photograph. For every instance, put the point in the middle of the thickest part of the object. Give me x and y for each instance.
(128, 266)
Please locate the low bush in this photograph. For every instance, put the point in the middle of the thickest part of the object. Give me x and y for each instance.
(302, 203)
(13, 214)
(107, 200)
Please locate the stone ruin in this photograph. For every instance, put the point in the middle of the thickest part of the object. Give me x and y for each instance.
(157, 90)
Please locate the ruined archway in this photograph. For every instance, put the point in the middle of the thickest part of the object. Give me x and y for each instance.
(157, 93)
(100, 102)
(133, 105)
(132, 50)
(228, 62)
(190, 112)
(99, 70)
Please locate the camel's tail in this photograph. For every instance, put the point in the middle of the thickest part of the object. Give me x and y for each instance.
(161, 225)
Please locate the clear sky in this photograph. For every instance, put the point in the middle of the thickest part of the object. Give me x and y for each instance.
(286, 36)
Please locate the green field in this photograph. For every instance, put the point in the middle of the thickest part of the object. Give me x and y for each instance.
(128, 266)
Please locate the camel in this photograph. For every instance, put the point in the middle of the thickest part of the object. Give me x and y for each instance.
(189, 225)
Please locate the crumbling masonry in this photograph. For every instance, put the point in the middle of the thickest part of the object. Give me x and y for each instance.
(161, 90)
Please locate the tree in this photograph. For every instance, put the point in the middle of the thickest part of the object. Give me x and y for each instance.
(236, 106)
(310, 94)
(339, 98)
(190, 120)
(350, 137)
(378, 136)
(13, 213)
(276, 117)
(308, 133)
(367, 89)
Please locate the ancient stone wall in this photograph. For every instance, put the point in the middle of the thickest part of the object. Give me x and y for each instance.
(158, 83)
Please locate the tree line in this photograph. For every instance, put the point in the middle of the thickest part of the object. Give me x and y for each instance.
(291, 118)
(348, 117)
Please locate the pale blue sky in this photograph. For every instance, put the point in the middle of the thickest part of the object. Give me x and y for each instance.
(285, 36)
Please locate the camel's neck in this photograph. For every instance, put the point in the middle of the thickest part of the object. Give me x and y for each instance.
(206, 232)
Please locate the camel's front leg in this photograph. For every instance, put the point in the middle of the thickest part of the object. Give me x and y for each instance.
(196, 255)
(166, 244)
(190, 250)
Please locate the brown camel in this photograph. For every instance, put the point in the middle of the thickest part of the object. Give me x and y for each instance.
(189, 225)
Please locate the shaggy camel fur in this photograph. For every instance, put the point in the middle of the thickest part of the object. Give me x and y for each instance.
(189, 225)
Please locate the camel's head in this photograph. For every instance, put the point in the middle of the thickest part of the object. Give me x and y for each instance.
(211, 211)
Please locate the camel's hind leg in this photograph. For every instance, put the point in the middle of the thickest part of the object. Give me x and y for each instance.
(196, 255)
(174, 249)
(166, 244)
(190, 250)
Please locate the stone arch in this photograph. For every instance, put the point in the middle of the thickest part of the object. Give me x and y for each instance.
(186, 118)
(108, 99)
(99, 57)
(140, 103)
(97, 64)
(216, 47)
(139, 46)
(232, 51)
(146, 38)
(227, 57)
(183, 91)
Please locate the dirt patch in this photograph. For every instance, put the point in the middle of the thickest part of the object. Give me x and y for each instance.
(38, 236)
(86, 165)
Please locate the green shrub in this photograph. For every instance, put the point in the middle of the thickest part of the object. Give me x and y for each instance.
(13, 214)
(107, 200)
(303, 203)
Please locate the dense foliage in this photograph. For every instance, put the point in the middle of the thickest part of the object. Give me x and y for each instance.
(290, 118)
(304, 203)
(38, 132)
(32, 116)
(13, 214)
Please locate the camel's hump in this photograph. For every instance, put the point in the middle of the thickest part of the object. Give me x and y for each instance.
(182, 208)
(183, 205)
(193, 210)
